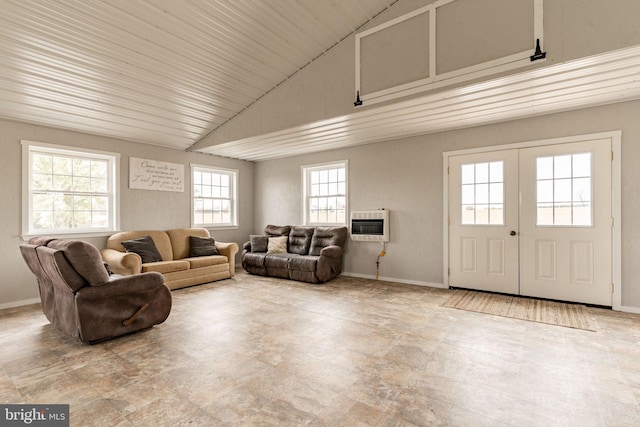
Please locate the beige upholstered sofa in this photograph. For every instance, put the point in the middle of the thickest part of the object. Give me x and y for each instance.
(177, 266)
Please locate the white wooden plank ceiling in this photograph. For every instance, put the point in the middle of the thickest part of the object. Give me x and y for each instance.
(169, 72)
(164, 72)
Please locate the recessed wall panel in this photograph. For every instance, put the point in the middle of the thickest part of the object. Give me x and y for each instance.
(472, 32)
(396, 55)
(495, 256)
(546, 260)
(469, 255)
(581, 260)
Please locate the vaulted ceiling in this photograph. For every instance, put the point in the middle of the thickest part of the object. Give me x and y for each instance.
(169, 73)
(163, 72)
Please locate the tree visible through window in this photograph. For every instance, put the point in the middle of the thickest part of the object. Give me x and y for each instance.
(69, 190)
(326, 194)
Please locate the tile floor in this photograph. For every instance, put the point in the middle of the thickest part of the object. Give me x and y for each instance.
(266, 352)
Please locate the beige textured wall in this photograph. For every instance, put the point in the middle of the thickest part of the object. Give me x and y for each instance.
(140, 209)
(326, 89)
(405, 176)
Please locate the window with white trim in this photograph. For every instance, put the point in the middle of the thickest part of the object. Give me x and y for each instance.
(214, 197)
(483, 193)
(68, 190)
(564, 190)
(325, 194)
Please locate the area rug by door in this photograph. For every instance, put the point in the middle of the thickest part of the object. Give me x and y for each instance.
(543, 311)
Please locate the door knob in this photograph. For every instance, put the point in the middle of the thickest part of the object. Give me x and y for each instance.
(513, 233)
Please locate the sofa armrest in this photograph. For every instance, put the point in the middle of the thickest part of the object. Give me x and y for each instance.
(126, 263)
(229, 250)
(125, 304)
(332, 251)
(329, 263)
(118, 285)
(246, 246)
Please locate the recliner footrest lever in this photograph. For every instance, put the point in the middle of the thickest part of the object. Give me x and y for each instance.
(130, 320)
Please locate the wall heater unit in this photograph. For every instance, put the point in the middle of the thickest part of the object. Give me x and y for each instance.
(370, 226)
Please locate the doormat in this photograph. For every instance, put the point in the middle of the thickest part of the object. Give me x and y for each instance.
(535, 310)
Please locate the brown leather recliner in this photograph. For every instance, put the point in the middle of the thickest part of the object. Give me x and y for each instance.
(82, 300)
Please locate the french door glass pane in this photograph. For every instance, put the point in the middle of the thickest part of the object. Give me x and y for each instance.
(482, 172)
(482, 193)
(564, 192)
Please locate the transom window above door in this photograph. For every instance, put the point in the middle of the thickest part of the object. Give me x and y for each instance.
(483, 193)
(564, 190)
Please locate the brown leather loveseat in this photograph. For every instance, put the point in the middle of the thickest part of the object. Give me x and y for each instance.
(308, 254)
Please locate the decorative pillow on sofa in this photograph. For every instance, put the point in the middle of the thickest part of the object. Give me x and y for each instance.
(259, 243)
(144, 247)
(277, 245)
(202, 246)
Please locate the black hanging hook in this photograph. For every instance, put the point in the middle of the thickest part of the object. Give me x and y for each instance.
(358, 100)
(539, 54)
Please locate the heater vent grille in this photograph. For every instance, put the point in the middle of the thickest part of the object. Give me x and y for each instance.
(370, 226)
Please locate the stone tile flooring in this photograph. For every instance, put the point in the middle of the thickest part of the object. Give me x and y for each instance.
(354, 352)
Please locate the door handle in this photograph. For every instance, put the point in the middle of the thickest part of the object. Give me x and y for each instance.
(513, 233)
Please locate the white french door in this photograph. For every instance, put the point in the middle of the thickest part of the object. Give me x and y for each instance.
(483, 196)
(565, 230)
(533, 221)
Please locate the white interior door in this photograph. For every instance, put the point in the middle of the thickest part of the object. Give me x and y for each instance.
(565, 222)
(483, 195)
(533, 221)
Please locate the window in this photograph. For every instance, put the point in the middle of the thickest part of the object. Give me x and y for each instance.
(214, 197)
(564, 190)
(325, 194)
(483, 193)
(68, 190)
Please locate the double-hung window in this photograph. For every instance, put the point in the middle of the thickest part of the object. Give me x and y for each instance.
(68, 190)
(214, 197)
(325, 194)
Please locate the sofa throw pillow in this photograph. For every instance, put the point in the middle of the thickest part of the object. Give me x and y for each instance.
(144, 247)
(202, 246)
(259, 243)
(277, 245)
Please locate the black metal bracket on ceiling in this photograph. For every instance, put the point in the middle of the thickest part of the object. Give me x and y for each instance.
(538, 54)
(358, 100)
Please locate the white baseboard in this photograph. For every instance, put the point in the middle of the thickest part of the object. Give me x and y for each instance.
(19, 303)
(627, 309)
(393, 279)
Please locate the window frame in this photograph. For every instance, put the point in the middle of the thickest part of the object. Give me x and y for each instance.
(489, 205)
(113, 190)
(233, 180)
(572, 203)
(306, 191)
